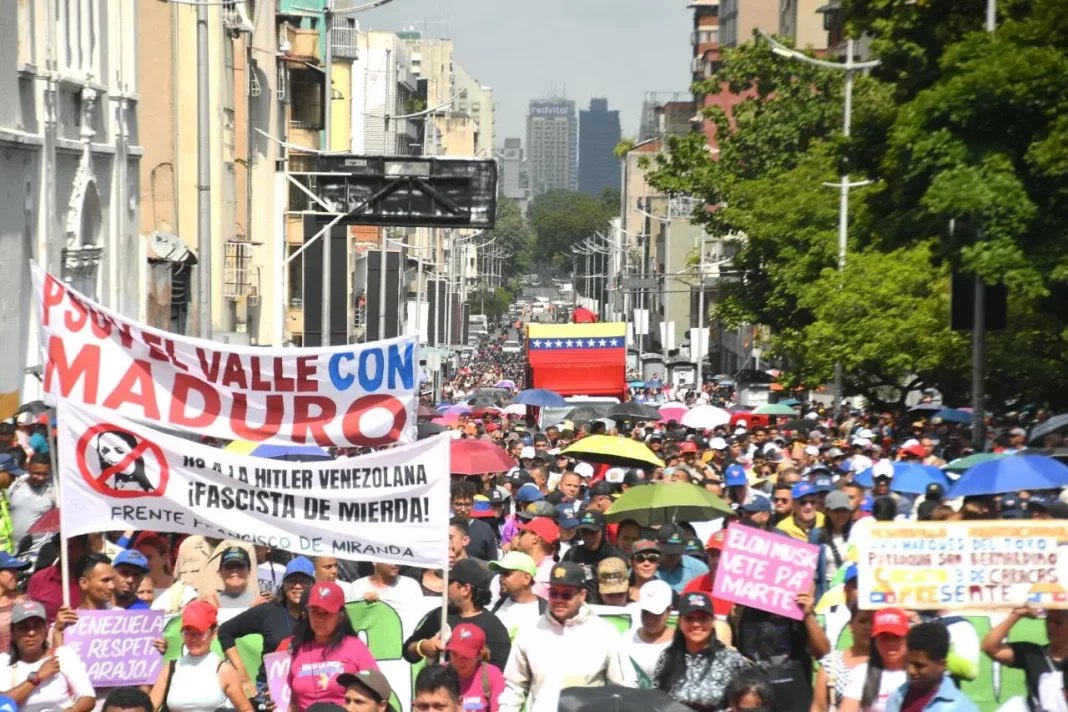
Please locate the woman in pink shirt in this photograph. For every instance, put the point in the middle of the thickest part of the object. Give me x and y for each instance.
(481, 684)
(324, 649)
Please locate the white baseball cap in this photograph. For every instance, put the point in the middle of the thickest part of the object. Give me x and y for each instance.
(910, 443)
(527, 451)
(584, 470)
(718, 444)
(742, 423)
(812, 450)
(655, 597)
(882, 467)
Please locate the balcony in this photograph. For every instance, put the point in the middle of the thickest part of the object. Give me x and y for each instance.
(303, 44)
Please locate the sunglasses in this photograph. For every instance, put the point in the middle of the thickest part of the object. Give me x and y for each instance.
(561, 595)
(807, 502)
(643, 558)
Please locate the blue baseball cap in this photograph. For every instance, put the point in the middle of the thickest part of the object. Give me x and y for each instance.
(822, 483)
(299, 565)
(866, 503)
(529, 493)
(8, 465)
(845, 466)
(565, 517)
(850, 573)
(132, 557)
(756, 504)
(9, 562)
(736, 476)
(802, 489)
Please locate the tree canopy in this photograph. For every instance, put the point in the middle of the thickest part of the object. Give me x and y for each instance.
(562, 218)
(513, 236)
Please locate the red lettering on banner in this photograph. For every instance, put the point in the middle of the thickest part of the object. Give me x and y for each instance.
(276, 407)
(52, 297)
(306, 382)
(139, 374)
(257, 383)
(234, 374)
(154, 342)
(76, 316)
(310, 427)
(86, 364)
(169, 345)
(100, 323)
(281, 383)
(125, 335)
(350, 424)
(185, 385)
(210, 371)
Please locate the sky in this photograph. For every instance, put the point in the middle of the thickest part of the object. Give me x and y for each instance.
(617, 49)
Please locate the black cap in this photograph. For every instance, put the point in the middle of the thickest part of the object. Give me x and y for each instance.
(591, 521)
(519, 478)
(235, 553)
(602, 488)
(568, 573)
(634, 477)
(925, 509)
(672, 539)
(935, 491)
(693, 602)
(467, 571)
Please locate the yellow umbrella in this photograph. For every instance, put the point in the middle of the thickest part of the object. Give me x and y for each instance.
(241, 447)
(613, 450)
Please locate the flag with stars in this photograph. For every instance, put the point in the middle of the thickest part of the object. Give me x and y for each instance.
(577, 358)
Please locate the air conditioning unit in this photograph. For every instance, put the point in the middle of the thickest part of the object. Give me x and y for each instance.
(236, 18)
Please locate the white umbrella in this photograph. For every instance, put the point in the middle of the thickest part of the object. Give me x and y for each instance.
(674, 404)
(704, 417)
(516, 409)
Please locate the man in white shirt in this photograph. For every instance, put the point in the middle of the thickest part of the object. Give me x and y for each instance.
(385, 584)
(518, 607)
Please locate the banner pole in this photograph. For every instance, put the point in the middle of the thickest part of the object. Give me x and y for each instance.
(445, 631)
(64, 565)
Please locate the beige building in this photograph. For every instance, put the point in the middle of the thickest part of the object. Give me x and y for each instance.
(739, 18)
(802, 21)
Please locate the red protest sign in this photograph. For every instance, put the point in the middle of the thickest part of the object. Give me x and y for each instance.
(118, 463)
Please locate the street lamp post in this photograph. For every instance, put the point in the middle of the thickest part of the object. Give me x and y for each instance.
(850, 67)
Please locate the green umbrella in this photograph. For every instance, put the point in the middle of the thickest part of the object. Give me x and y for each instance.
(775, 409)
(655, 504)
(963, 463)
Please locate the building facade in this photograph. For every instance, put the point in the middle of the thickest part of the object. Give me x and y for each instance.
(738, 19)
(803, 22)
(552, 145)
(599, 134)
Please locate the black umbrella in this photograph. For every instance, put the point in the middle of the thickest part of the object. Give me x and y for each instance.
(800, 424)
(1056, 424)
(483, 401)
(34, 408)
(632, 410)
(586, 413)
(932, 407)
(426, 430)
(616, 698)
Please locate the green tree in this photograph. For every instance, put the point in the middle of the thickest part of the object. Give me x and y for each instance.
(562, 218)
(514, 236)
(491, 302)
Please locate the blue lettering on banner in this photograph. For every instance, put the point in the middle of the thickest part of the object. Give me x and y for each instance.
(393, 366)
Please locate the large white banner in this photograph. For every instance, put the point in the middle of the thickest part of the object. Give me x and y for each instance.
(390, 506)
(357, 394)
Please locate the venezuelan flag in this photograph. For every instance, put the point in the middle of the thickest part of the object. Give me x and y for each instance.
(577, 359)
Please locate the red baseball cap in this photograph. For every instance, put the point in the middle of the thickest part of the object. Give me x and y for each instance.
(716, 541)
(915, 451)
(491, 427)
(199, 615)
(688, 446)
(467, 640)
(543, 527)
(328, 596)
(890, 620)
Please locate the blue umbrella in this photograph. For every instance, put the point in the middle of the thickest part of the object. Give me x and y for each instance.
(909, 478)
(541, 397)
(457, 409)
(1011, 474)
(289, 453)
(637, 384)
(952, 415)
(790, 401)
(655, 383)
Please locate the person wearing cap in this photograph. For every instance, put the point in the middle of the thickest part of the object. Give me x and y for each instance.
(871, 683)
(517, 606)
(737, 483)
(197, 562)
(469, 595)
(324, 648)
(644, 644)
(601, 496)
(568, 647)
(481, 683)
(483, 542)
(130, 568)
(366, 691)
(273, 621)
(832, 538)
(613, 581)
(538, 539)
(696, 668)
(595, 546)
(199, 681)
(756, 512)
(930, 688)
(29, 498)
(39, 678)
(235, 568)
(677, 570)
(567, 520)
(524, 492)
(804, 516)
(9, 471)
(705, 583)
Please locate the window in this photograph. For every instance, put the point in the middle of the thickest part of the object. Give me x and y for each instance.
(295, 277)
(306, 99)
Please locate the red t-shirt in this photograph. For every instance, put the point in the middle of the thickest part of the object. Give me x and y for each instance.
(703, 584)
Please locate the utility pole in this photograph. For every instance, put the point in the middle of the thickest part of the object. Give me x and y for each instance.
(204, 241)
(328, 103)
(387, 149)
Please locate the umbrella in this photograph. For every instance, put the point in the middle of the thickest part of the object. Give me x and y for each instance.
(673, 411)
(705, 417)
(933, 407)
(1057, 453)
(613, 450)
(447, 419)
(505, 384)
(1011, 474)
(483, 400)
(632, 410)
(426, 430)
(35, 408)
(953, 415)
(654, 504)
(790, 402)
(636, 384)
(654, 383)
(909, 478)
(478, 457)
(799, 424)
(289, 453)
(965, 463)
(47, 523)
(515, 409)
(486, 410)
(615, 698)
(457, 409)
(774, 409)
(541, 397)
(586, 413)
(1056, 424)
(425, 412)
(582, 315)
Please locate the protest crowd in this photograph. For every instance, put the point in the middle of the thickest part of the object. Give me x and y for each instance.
(695, 558)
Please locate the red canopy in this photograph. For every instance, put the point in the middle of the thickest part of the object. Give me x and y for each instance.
(581, 315)
(477, 457)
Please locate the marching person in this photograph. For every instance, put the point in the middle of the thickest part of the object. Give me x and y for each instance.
(481, 683)
(644, 561)
(517, 607)
(366, 691)
(871, 684)
(130, 569)
(929, 687)
(643, 645)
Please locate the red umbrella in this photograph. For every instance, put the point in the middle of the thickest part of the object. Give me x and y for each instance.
(425, 412)
(477, 457)
(486, 410)
(48, 523)
(583, 315)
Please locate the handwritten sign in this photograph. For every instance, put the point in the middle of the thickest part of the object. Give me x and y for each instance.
(116, 646)
(277, 665)
(763, 570)
(959, 565)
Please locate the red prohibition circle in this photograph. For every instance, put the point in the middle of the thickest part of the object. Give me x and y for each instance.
(97, 481)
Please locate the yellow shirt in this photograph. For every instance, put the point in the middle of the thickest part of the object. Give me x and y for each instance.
(789, 526)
